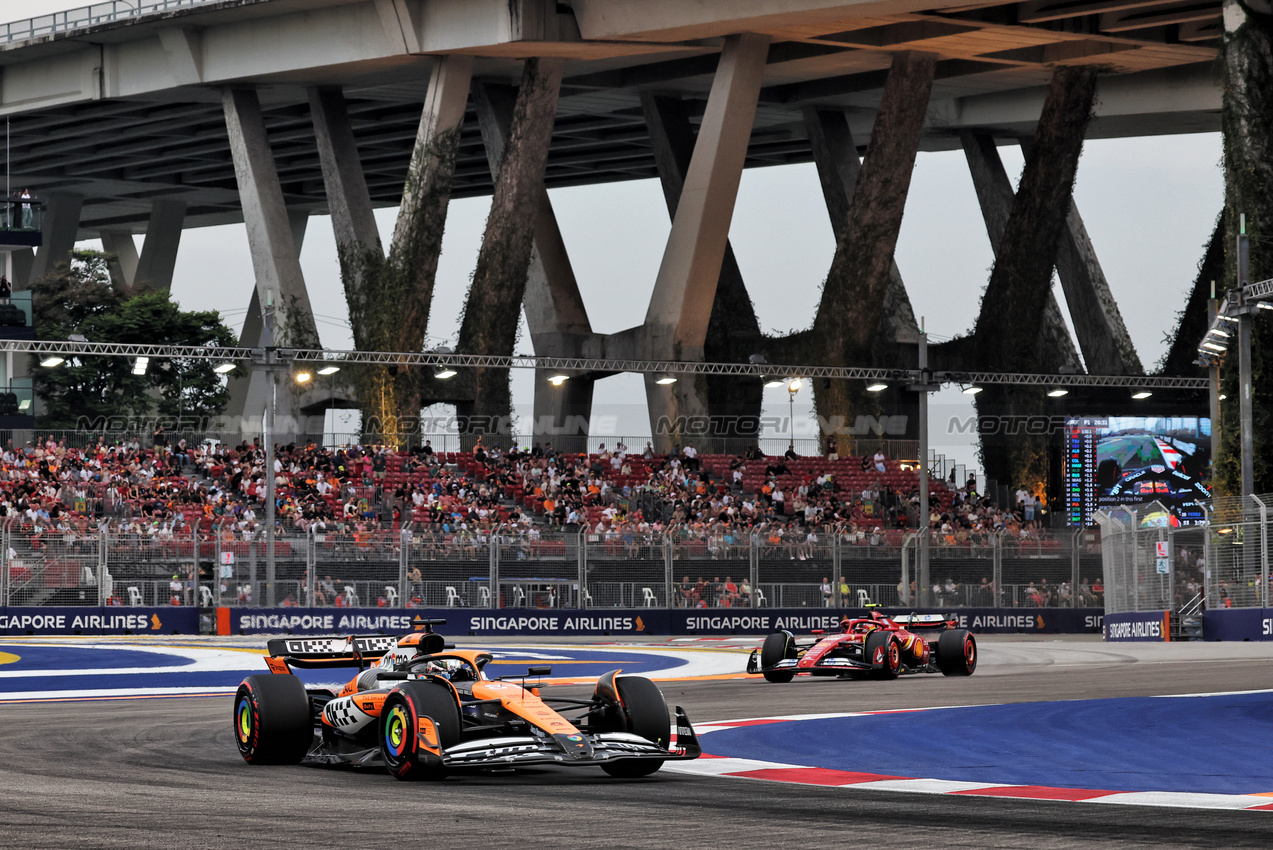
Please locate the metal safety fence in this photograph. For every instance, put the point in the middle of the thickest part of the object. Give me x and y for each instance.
(1151, 566)
(128, 564)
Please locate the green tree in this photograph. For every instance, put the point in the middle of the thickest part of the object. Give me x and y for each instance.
(79, 298)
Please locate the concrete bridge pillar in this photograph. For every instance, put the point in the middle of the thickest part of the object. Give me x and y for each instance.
(995, 196)
(555, 312)
(733, 333)
(61, 223)
(158, 259)
(493, 307)
(1009, 328)
(848, 322)
(272, 240)
(680, 309)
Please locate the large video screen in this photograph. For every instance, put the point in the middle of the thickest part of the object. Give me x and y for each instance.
(1136, 460)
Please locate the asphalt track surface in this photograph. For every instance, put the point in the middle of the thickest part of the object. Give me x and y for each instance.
(165, 773)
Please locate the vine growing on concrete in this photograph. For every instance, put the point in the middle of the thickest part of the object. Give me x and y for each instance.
(1247, 123)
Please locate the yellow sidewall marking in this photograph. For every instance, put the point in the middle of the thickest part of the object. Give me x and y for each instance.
(9, 658)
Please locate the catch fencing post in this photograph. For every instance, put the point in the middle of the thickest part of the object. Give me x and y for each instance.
(404, 556)
(753, 560)
(4, 566)
(996, 569)
(581, 555)
(1264, 551)
(103, 574)
(668, 567)
(836, 574)
(494, 578)
(1075, 542)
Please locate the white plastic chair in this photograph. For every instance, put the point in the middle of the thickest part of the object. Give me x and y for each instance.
(648, 597)
(452, 597)
(760, 598)
(391, 595)
(351, 596)
(519, 597)
(484, 594)
(863, 598)
(585, 597)
(205, 597)
(134, 596)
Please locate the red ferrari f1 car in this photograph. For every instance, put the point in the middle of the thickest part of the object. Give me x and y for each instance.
(874, 646)
(424, 708)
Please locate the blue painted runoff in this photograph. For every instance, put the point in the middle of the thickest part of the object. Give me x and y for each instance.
(1209, 744)
(32, 658)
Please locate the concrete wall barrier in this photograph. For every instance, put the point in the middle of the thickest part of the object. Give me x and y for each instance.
(1238, 624)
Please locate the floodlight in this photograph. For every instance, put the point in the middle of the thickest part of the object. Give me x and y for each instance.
(329, 370)
(303, 377)
(1143, 394)
(773, 383)
(51, 361)
(558, 380)
(222, 368)
(664, 380)
(1058, 392)
(973, 390)
(140, 364)
(877, 388)
(794, 385)
(445, 372)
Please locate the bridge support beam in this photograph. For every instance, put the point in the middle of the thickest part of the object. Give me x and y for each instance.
(733, 333)
(847, 324)
(1009, 328)
(123, 268)
(680, 309)
(836, 157)
(158, 259)
(61, 223)
(995, 196)
(555, 312)
(493, 307)
(275, 259)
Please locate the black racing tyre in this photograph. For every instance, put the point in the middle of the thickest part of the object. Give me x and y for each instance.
(401, 744)
(645, 713)
(957, 653)
(273, 722)
(885, 654)
(776, 647)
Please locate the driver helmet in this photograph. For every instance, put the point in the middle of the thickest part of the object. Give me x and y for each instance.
(437, 668)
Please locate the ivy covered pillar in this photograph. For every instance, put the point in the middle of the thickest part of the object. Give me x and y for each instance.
(995, 195)
(389, 297)
(680, 310)
(848, 322)
(1008, 334)
(836, 157)
(275, 255)
(733, 333)
(1247, 122)
(554, 308)
(493, 306)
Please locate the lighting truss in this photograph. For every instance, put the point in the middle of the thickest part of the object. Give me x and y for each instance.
(1253, 296)
(596, 366)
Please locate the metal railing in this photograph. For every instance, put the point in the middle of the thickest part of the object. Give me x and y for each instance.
(1151, 566)
(89, 16)
(128, 564)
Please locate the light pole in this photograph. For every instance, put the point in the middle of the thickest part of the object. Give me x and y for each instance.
(793, 387)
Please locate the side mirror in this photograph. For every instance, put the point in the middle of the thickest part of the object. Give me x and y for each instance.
(538, 671)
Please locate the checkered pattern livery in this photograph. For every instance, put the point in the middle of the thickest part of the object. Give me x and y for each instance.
(341, 713)
(369, 645)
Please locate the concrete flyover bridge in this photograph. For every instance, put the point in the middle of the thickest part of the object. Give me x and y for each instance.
(186, 114)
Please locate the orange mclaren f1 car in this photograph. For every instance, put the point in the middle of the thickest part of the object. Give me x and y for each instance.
(874, 646)
(422, 708)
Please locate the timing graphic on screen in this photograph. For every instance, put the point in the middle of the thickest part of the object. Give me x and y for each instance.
(1137, 460)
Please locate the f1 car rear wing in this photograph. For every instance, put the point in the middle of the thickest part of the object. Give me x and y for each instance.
(346, 650)
(927, 621)
(332, 651)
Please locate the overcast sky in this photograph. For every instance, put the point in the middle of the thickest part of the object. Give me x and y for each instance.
(1149, 205)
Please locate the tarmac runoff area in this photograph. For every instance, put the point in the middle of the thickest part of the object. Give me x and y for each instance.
(1052, 743)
